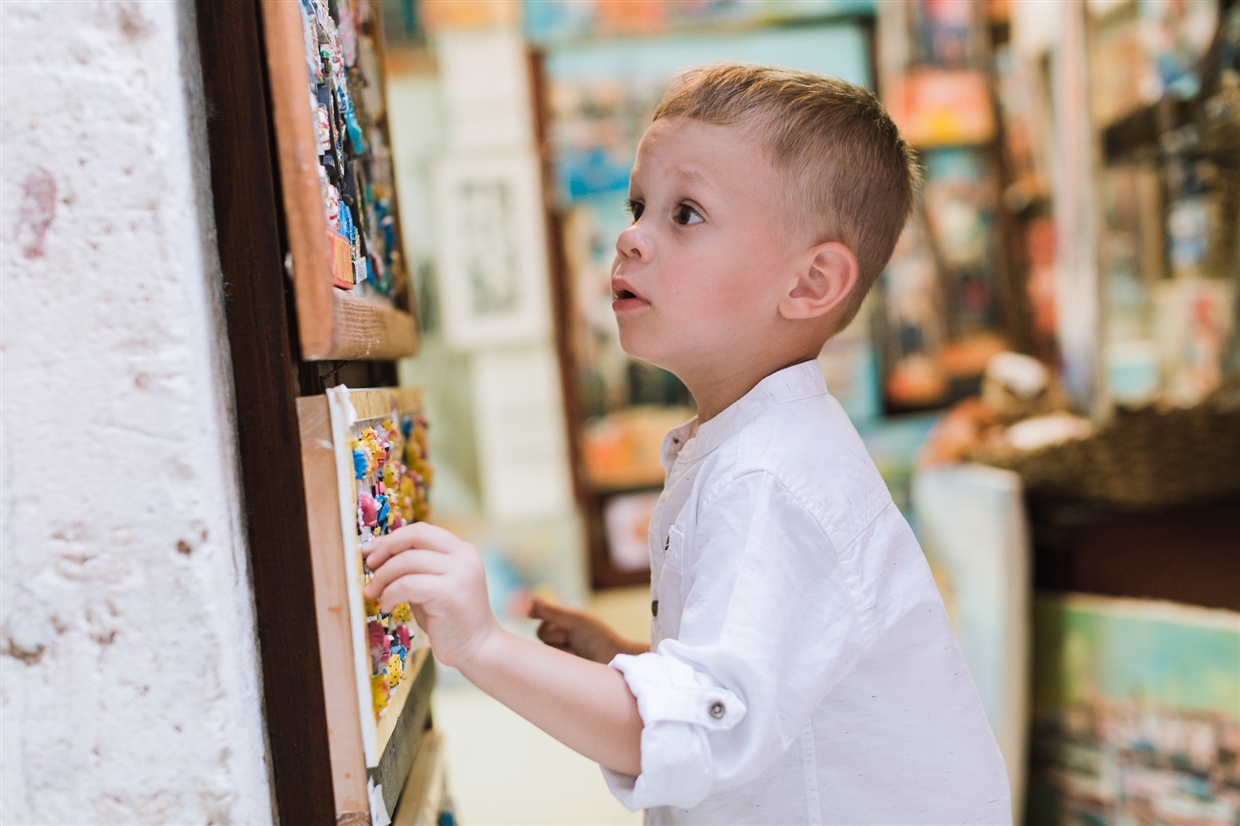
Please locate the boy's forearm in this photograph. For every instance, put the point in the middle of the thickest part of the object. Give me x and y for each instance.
(585, 705)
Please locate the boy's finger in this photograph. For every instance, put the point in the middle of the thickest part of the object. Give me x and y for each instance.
(539, 609)
(412, 588)
(552, 634)
(422, 535)
(416, 561)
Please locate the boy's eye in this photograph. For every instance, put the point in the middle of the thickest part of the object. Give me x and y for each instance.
(686, 215)
(636, 208)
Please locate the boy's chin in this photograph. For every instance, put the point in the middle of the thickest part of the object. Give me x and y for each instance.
(637, 346)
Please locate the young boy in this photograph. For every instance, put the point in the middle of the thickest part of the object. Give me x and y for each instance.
(802, 668)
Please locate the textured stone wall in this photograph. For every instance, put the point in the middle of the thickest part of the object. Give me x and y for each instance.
(130, 681)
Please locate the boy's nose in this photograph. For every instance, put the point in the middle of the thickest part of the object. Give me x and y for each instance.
(633, 243)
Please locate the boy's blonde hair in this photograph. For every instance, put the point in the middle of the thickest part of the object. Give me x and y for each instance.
(852, 177)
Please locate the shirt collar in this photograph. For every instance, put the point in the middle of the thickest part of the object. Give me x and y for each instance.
(800, 381)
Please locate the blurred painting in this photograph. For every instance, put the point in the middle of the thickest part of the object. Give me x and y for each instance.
(492, 266)
(1136, 713)
(627, 521)
(971, 522)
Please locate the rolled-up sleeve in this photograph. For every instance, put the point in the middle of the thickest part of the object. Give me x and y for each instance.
(768, 628)
(678, 706)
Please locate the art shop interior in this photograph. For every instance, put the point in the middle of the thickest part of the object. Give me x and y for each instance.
(283, 275)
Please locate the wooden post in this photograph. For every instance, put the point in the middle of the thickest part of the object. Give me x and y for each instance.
(264, 361)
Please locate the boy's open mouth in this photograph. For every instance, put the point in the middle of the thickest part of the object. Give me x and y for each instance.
(623, 295)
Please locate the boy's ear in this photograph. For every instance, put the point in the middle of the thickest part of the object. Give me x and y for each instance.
(827, 274)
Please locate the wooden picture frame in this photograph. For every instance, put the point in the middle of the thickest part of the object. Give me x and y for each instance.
(493, 261)
(333, 323)
(361, 749)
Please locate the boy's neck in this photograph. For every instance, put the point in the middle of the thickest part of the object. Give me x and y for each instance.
(717, 390)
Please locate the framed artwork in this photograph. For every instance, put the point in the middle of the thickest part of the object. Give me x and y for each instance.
(1135, 712)
(972, 526)
(627, 518)
(493, 262)
(342, 224)
(366, 472)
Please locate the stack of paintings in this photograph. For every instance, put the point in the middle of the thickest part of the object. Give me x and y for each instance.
(1136, 713)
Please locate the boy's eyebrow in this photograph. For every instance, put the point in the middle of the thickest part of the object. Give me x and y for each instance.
(691, 175)
(680, 174)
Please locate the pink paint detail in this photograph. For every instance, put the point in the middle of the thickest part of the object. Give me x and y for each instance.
(402, 633)
(38, 208)
(376, 638)
(369, 512)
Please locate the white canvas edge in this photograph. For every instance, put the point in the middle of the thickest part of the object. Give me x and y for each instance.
(343, 417)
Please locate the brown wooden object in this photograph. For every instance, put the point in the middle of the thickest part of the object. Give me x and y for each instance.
(331, 597)
(1189, 555)
(603, 571)
(408, 713)
(264, 365)
(333, 323)
(424, 789)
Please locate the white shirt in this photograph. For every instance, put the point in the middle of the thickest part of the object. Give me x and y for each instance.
(802, 667)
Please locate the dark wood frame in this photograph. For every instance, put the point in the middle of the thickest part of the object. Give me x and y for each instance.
(603, 574)
(1014, 318)
(269, 371)
(265, 379)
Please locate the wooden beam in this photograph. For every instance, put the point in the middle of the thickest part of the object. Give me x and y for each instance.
(348, 759)
(264, 364)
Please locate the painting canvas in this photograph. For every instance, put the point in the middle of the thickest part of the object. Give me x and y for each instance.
(970, 520)
(492, 264)
(383, 479)
(627, 519)
(1136, 713)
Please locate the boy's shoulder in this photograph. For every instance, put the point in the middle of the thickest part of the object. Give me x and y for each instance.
(812, 449)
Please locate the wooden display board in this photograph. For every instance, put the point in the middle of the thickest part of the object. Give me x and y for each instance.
(371, 756)
(333, 322)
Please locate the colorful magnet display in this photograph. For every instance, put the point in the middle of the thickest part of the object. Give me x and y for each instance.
(393, 477)
(355, 168)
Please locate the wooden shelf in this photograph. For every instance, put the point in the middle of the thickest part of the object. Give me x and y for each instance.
(1185, 554)
(1137, 134)
(405, 727)
(624, 483)
(423, 797)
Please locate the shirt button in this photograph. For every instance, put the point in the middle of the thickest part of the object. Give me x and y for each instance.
(717, 710)
(654, 608)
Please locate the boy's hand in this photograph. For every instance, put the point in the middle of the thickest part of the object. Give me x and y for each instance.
(579, 633)
(442, 579)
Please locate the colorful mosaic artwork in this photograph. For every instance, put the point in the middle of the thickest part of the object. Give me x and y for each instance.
(355, 169)
(393, 476)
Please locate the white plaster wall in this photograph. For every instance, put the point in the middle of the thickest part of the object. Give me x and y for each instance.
(129, 683)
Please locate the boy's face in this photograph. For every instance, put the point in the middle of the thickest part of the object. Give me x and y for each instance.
(699, 273)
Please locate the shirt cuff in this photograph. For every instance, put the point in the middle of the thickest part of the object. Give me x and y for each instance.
(679, 706)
